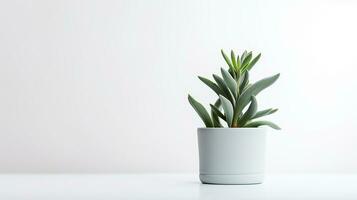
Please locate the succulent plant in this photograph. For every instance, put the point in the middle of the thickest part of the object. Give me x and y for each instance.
(234, 94)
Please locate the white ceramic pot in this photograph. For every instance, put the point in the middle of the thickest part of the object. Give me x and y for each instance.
(231, 155)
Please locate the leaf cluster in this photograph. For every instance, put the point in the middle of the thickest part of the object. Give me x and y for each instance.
(236, 102)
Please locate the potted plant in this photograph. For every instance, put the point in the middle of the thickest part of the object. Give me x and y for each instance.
(233, 155)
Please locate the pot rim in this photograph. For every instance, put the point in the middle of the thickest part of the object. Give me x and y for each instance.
(225, 128)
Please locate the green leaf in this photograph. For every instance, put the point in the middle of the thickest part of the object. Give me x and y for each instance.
(264, 113)
(230, 82)
(247, 86)
(238, 63)
(214, 116)
(212, 85)
(233, 58)
(244, 54)
(228, 110)
(250, 112)
(262, 123)
(252, 90)
(216, 110)
(233, 73)
(227, 60)
(201, 111)
(237, 77)
(243, 81)
(221, 84)
(254, 61)
(246, 60)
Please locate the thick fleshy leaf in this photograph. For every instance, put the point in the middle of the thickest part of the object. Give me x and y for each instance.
(264, 113)
(201, 111)
(220, 82)
(216, 110)
(250, 112)
(252, 63)
(262, 123)
(227, 60)
(239, 63)
(233, 59)
(230, 82)
(243, 81)
(246, 61)
(237, 77)
(212, 85)
(215, 119)
(247, 86)
(252, 90)
(228, 110)
(232, 72)
(244, 54)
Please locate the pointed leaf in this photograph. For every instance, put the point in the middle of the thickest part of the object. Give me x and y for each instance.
(252, 90)
(262, 123)
(233, 73)
(249, 113)
(221, 84)
(264, 113)
(212, 85)
(228, 110)
(233, 58)
(243, 81)
(230, 82)
(227, 60)
(201, 111)
(254, 61)
(244, 54)
(239, 63)
(215, 119)
(237, 77)
(216, 110)
(246, 60)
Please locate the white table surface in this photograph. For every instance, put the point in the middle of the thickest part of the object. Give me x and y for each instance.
(174, 186)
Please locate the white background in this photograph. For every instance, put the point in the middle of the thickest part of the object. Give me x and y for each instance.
(101, 86)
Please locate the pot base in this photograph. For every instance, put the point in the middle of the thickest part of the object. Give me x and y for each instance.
(234, 179)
